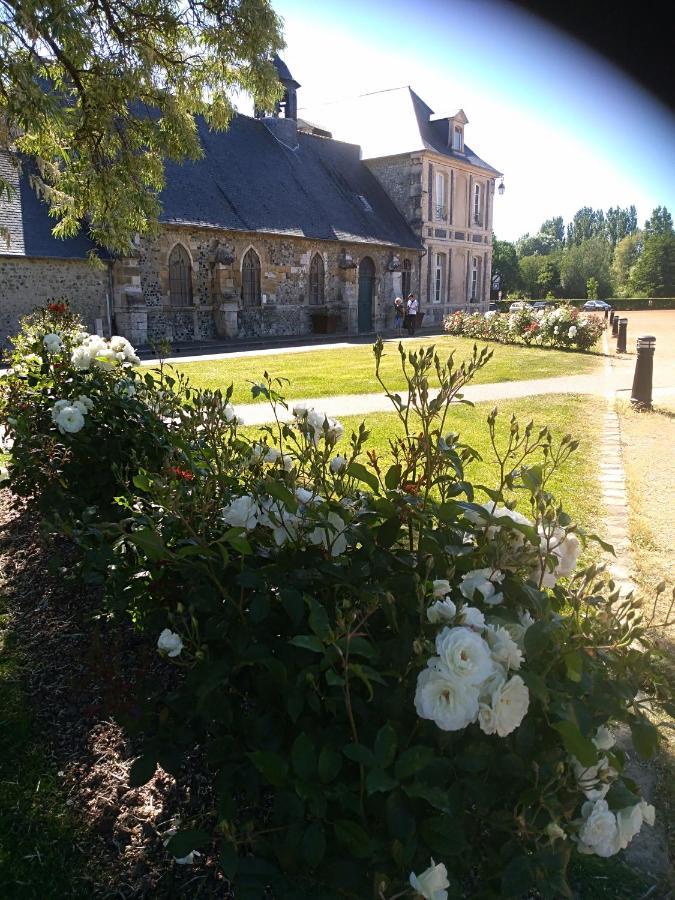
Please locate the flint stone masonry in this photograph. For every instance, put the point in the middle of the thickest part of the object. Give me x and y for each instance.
(26, 284)
(142, 302)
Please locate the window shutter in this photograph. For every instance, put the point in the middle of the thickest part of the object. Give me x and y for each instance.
(452, 194)
(470, 204)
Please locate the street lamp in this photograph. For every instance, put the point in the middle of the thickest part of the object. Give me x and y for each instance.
(501, 188)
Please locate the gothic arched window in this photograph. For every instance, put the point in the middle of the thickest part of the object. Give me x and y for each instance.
(250, 279)
(317, 280)
(180, 277)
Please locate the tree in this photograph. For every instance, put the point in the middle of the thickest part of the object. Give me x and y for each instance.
(529, 245)
(505, 263)
(619, 223)
(626, 254)
(96, 96)
(589, 259)
(653, 275)
(548, 278)
(660, 222)
(586, 224)
(530, 268)
(554, 228)
(592, 288)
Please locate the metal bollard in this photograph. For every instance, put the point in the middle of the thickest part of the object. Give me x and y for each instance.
(641, 394)
(615, 326)
(611, 316)
(622, 336)
(606, 313)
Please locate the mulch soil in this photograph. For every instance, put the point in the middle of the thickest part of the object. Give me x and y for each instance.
(82, 675)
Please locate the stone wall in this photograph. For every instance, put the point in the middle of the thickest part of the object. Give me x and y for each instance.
(144, 312)
(29, 283)
(401, 177)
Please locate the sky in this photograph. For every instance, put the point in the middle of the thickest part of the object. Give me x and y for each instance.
(567, 128)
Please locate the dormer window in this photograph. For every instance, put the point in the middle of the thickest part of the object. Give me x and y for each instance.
(458, 139)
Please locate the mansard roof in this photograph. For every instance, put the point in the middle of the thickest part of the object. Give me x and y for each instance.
(390, 123)
(248, 180)
(29, 225)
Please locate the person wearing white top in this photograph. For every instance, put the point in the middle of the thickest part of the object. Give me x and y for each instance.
(412, 308)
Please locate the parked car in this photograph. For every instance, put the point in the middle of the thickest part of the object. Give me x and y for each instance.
(542, 304)
(597, 305)
(518, 305)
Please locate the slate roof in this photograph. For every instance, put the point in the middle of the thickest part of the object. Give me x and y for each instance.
(390, 123)
(25, 216)
(249, 181)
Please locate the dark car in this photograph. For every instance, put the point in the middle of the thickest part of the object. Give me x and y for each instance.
(596, 305)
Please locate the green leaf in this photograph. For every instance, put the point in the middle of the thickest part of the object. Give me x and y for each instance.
(229, 861)
(388, 532)
(141, 481)
(575, 743)
(413, 760)
(536, 684)
(318, 619)
(393, 477)
(185, 842)
(645, 737)
(142, 770)
(379, 781)
(360, 754)
(307, 642)
(314, 845)
(236, 538)
(330, 763)
(353, 836)
(574, 664)
(385, 746)
(303, 757)
(358, 471)
(149, 542)
(271, 766)
(538, 637)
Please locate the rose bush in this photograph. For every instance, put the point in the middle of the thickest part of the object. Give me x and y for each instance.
(563, 327)
(401, 688)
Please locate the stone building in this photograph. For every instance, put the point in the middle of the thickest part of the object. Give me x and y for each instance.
(278, 230)
(442, 188)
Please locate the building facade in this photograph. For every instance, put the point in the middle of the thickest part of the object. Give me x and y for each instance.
(278, 230)
(442, 188)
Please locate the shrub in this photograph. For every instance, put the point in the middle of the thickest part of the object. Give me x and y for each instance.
(563, 327)
(380, 666)
(76, 412)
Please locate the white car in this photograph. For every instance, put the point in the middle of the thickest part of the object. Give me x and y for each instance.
(596, 305)
(518, 305)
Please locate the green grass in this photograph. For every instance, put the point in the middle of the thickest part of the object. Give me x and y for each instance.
(351, 370)
(39, 857)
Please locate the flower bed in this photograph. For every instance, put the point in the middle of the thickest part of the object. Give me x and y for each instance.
(380, 666)
(564, 327)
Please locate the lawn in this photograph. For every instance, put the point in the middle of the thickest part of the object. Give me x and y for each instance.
(580, 416)
(351, 370)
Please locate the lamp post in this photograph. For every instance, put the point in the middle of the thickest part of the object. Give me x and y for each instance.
(641, 395)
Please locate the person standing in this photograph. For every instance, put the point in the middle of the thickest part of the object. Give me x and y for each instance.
(412, 308)
(399, 311)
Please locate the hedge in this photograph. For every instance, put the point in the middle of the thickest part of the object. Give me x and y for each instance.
(635, 303)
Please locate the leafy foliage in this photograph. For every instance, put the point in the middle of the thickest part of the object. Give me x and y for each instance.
(296, 592)
(97, 96)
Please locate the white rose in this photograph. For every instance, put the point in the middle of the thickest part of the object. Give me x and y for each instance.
(57, 407)
(431, 884)
(338, 464)
(304, 496)
(471, 617)
(332, 537)
(87, 402)
(604, 739)
(242, 513)
(81, 358)
(105, 359)
(504, 649)
(442, 611)
(595, 781)
(648, 812)
(69, 419)
(301, 410)
(441, 588)
(187, 860)
(284, 524)
(565, 549)
(52, 343)
(629, 823)
(169, 643)
(572, 332)
(125, 389)
(483, 581)
(510, 703)
(229, 414)
(440, 697)
(600, 832)
(465, 654)
(4, 474)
